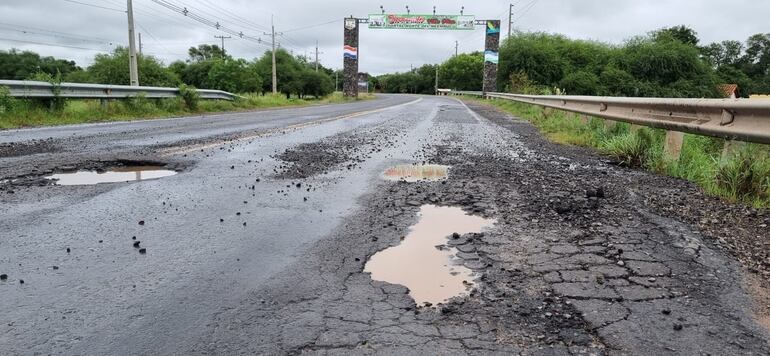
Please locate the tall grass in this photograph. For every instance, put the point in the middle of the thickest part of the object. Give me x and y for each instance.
(741, 177)
(16, 113)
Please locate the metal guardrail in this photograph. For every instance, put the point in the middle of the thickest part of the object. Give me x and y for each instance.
(732, 119)
(35, 89)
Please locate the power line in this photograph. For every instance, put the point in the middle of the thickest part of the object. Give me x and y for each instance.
(49, 33)
(52, 44)
(312, 26)
(215, 24)
(96, 6)
(234, 16)
(526, 9)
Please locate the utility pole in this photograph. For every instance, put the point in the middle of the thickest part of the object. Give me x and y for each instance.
(437, 79)
(510, 19)
(140, 43)
(223, 38)
(133, 66)
(272, 34)
(316, 55)
(457, 44)
(336, 80)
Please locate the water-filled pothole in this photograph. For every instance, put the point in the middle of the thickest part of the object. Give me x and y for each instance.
(111, 175)
(423, 263)
(417, 173)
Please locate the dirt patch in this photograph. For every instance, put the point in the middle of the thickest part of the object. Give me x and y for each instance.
(16, 149)
(310, 159)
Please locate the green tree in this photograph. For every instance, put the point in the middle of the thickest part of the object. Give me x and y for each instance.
(680, 33)
(462, 72)
(17, 65)
(235, 76)
(113, 69)
(205, 52)
(580, 83)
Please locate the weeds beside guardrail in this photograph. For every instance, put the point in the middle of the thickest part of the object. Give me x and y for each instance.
(742, 174)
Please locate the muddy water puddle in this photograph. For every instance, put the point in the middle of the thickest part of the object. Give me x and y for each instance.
(417, 173)
(112, 175)
(423, 263)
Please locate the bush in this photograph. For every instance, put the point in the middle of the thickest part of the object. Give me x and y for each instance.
(139, 104)
(57, 103)
(745, 176)
(632, 148)
(190, 96)
(7, 103)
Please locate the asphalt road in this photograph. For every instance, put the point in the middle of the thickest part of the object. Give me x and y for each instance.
(258, 245)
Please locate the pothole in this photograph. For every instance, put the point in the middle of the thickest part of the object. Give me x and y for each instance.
(423, 262)
(417, 173)
(118, 174)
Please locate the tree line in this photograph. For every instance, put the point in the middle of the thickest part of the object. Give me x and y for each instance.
(669, 62)
(207, 67)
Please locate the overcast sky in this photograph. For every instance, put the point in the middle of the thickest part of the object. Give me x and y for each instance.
(66, 29)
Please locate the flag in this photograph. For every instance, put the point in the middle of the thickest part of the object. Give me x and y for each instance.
(351, 52)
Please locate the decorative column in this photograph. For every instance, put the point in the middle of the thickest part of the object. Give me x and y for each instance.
(491, 55)
(350, 58)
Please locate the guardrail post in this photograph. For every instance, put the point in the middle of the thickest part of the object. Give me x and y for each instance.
(584, 119)
(730, 148)
(609, 125)
(105, 104)
(635, 128)
(673, 146)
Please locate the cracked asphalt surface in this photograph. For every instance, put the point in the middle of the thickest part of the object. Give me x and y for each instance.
(258, 245)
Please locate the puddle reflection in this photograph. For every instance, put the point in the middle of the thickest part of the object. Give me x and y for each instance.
(431, 274)
(113, 175)
(416, 173)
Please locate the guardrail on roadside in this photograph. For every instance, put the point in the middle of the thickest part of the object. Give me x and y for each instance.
(732, 119)
(35, 89)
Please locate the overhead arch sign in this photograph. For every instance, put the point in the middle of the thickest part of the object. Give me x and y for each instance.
(421, 22)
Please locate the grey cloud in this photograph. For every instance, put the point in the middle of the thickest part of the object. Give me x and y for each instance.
(168, 35)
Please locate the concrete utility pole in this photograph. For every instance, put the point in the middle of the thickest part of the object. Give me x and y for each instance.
(316, 55)
(336, 80)
(223, 38)
(457, 44)
(510, 19)
(436, 79)
(272, 35)
(140, 44)
(133, 66)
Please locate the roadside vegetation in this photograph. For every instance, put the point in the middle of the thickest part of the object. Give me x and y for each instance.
(208, 67)
(669, 62)
(743, 176)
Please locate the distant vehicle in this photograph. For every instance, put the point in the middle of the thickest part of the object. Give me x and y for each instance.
(448, 22)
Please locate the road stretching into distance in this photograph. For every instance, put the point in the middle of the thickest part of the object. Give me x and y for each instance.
(259, 241)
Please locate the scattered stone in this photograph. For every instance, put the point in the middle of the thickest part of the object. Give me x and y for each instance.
(136, 244)
(21, 281)
(142, 251)
(3, 277)
(141, 222)
(55, 267)
(68, 250)
(678, 327)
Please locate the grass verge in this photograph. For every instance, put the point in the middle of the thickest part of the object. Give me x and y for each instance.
(743, 176)
(15, 113)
